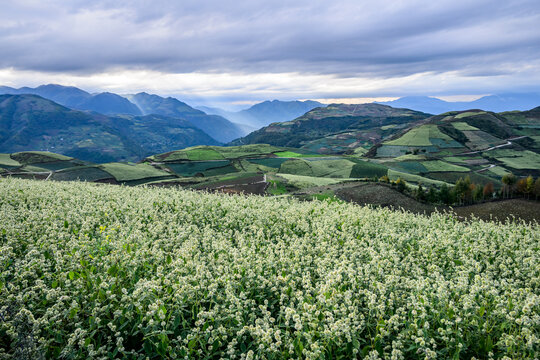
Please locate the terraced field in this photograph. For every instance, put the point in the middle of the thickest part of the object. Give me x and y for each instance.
(440, 150)
(420, 136)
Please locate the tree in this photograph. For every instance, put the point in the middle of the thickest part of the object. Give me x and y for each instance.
(420, 193)
(509, 181)
(477, 192)
(470, 195)
(432, 195)
(488, 190)
(536, 188)
(444, 195)
(525, 186)
(521, 186)
(401, 185)
(463, 190)
(530, 185)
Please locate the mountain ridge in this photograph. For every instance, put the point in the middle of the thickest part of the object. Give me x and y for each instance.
(496, 103)
(72, 97)
(30, 122)
(266, 112)
(108, 103)
(216, 126)
(335, 128)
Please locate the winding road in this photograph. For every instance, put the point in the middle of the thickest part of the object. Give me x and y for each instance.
(495, 147)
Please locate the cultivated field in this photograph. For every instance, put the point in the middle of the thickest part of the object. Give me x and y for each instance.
(100, 271)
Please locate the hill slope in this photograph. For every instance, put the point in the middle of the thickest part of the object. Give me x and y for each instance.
(216, 126)
(30, 122)
(336, 128)
(485, 142)
(110, 104)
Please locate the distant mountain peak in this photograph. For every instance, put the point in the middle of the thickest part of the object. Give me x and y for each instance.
(495, 102)
(75, 98)
(218, 127)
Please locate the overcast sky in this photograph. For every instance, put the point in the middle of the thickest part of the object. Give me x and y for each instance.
(239, 52)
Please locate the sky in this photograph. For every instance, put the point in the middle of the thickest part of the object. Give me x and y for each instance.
(234, 53)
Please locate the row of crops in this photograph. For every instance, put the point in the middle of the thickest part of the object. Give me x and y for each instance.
(99, 271)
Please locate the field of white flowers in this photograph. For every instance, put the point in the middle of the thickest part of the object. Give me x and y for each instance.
(100, 271)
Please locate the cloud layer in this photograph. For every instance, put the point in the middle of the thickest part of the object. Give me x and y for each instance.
(348, 48)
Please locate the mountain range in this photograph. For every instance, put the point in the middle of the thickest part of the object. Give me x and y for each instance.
(109, 127)
(266, 112)
(107, 103)
(32, 122)
(495, 103)
(221, 125)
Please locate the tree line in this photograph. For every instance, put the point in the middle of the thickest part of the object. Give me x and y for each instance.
(466, 192)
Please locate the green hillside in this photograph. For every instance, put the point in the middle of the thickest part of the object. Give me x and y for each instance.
(436, 152)
(336, 128)
(475, 141)
(29, 122)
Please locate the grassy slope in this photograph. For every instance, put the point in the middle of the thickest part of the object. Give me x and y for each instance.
(441, 166)
(125, 172)
(6, 160)
(340, 168)
(319, 128)
(394, 175)
(216, 153)
(419, 136)
(303, 182)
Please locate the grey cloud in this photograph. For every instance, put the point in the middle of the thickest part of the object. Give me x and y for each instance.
(342, 38)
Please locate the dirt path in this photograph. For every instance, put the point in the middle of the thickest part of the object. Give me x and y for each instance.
(486, 168)
(494, 147)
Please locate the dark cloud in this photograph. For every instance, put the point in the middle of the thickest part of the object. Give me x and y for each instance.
(342, 38)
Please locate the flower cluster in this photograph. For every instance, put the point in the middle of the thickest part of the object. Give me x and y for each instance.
(105, 271)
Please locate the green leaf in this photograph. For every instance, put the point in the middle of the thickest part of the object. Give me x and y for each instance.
(72, 313)
(489, 344)
(71, 275)
(365, 350)
(112, 270)
(482, 310)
